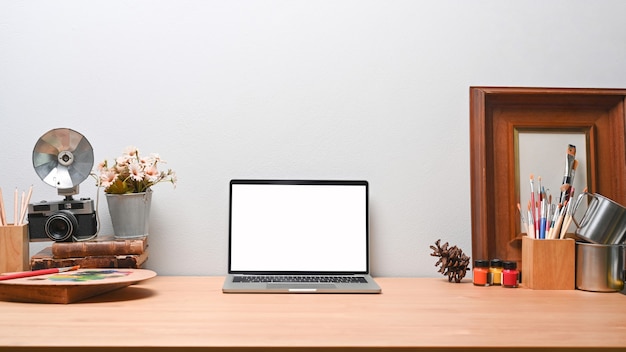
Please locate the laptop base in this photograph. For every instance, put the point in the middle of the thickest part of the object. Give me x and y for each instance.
(230, 286)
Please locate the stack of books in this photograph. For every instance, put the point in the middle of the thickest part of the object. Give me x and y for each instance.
(103, 252)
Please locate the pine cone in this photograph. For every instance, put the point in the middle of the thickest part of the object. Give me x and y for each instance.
(454, 263)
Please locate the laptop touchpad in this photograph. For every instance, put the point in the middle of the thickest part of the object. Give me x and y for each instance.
(300, 286)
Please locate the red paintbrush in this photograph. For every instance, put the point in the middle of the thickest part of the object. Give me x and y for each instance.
(38, 272)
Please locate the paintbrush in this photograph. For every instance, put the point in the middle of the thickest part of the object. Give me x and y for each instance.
(543, 219)
(38, 272)
(571, 179)
(566, 185)
(531, 223)
(567, 221)
(524, 223)
(559, 215)
(533, 206)
(552, 218)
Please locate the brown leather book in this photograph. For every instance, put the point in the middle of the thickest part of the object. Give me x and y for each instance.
(101, 246)
(45, 260)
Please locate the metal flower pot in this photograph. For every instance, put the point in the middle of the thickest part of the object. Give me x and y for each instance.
(130, 213)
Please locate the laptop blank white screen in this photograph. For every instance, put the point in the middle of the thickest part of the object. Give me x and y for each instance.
(298, 228)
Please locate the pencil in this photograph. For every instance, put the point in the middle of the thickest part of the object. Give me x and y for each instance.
(25, 202)
(3, 218)
(38, 272)
(15, 214)
(19, 219)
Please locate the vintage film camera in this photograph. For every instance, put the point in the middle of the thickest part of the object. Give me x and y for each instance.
(63, 158)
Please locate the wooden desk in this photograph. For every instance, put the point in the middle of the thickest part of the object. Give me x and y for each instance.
(177, 312)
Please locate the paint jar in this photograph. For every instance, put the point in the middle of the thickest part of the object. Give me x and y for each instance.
(495, 272)
(510, 275)
(481, 271)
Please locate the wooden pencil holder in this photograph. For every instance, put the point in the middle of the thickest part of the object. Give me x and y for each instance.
(14, 248)
(548, 264)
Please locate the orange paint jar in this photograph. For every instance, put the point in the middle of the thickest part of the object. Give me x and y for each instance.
(480, 272)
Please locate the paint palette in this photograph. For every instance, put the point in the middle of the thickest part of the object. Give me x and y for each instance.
(70, 286)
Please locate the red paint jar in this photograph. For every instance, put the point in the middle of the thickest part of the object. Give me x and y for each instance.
(510, 274)
(481, 271)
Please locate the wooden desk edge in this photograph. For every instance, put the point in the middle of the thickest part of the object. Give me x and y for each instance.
(300, 349)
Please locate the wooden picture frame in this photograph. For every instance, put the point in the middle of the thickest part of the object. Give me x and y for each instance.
(496, 116)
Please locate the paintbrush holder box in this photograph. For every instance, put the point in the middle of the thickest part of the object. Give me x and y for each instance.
(548, 264)
(14, 248)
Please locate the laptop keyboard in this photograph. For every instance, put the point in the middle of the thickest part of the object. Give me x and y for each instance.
(303, 279)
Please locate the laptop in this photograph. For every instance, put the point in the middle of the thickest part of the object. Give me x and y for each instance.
(298, 236)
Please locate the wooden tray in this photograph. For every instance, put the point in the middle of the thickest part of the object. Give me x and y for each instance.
(70, 286)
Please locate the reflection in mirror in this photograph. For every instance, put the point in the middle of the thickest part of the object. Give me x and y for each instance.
(543, 154)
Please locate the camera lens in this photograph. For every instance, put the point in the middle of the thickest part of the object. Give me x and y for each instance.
(61, 226)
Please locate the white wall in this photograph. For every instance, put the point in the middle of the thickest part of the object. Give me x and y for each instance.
(366, 89)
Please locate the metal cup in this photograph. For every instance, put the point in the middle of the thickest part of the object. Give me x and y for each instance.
(600, 267)
(604, 221)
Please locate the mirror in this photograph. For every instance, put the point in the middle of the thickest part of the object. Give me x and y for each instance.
(543, 154)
